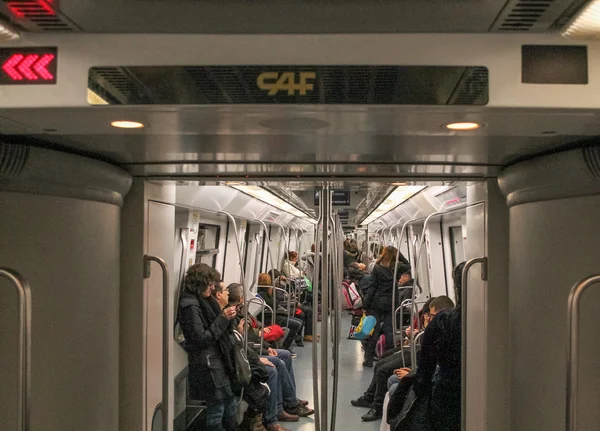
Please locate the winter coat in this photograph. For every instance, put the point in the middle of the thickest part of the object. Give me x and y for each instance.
(379, 294)
(290, 270)
(209, 346)
(349, 257)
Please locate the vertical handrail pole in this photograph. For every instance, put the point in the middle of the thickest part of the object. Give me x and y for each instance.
(261, 302)
(326, 199)
(575, 295)
(395, 288)
(167, 420)
(286, 249)
(315, 316)
(24, 373)
(338, 318)
(242, 275)
(463, 306)
(272, 267)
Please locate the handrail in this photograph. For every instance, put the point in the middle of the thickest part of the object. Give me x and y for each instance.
(463, 305)
(394, 324)
(315, 316)
(256, 270)
(289, 301)
(24, 374)
(575, 295)
(242, 274)
(262, 304)
(286, 249)
(270, 253)
(167, 420)
(326, 199)
(337, 241)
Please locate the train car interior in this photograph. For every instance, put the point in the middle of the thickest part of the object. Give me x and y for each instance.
(299, 215)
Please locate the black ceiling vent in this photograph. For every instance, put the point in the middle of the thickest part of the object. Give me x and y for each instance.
(591, 155)
(472, 89)
(117, 86)
(38, 16)
(13, 158)
(528, 15)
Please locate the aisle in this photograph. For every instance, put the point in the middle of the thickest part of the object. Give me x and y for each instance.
(354, 380)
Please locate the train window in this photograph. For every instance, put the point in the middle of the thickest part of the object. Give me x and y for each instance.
(208, 244)
(304, 84)
(457, 245)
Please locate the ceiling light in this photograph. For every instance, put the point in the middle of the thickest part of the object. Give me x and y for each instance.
(463, 126)
(7, 31)
(392, 201)
(586, 24)
(124, 124)
(269, 198)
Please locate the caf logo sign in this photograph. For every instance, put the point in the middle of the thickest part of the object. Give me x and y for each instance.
(275, 82)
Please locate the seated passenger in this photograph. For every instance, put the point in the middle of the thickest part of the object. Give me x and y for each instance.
(356, 272)
(283, 405)
(289, 267)
(207, 328)
(374, 396)
(294, 324)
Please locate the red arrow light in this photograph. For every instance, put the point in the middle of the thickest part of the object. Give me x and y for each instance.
(28, 66)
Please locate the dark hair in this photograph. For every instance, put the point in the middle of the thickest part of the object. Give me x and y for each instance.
(199, 277)
(313, 248)
(427, 305)
(235, 293)
(441, 303)
(292, 255)
(388, 256)
(404, 268)
(275, 274)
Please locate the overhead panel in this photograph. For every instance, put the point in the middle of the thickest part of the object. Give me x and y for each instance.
(37, 15)
(300, 84)
(533, 15)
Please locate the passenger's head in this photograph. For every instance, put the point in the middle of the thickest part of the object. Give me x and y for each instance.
(264, 279)
(221, 294)
(236, 294)
(353, 247)
(440, 303)
(201, 280)
(405, 275)
(293, 256)
(313, 248)
(388, 256)
(346, 243)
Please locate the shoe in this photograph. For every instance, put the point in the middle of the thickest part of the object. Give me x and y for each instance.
(299, 343)
(276, 427)
(287, 417)
(302, 411)
(308, 338)
(368, 363)
(362, 402)
(302, 402)
(373, 415)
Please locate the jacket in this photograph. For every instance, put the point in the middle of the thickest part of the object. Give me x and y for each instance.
(379, 293)
(209, 348)
(290, 270)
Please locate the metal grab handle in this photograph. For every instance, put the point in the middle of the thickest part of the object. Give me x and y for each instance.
(166, 366)
(285, 293)
(258, 300)
(268, 240)
(315, 292)
(463, 305)
(326, 203)
(394, 324)
(24, 375)
(575, 295)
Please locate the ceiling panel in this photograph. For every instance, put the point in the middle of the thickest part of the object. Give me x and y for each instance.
(276, 16)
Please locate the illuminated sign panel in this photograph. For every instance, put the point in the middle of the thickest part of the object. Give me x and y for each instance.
(28, 66)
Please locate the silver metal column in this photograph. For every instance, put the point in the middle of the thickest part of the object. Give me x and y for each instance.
(326, 206)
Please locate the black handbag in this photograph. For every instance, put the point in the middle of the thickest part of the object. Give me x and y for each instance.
(242, 366)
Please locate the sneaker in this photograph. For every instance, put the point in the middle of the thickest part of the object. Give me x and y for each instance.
(362, 402)
(372, 415)
(287, 417)
(302, 411)
(299, 343)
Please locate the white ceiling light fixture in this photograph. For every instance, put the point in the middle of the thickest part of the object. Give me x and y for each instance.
(397, 197)
(586, 24)
(126, 124)
(7, 31)
(463, 126)
(269, 198)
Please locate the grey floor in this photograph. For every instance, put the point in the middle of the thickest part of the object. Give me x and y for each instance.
(353, 381)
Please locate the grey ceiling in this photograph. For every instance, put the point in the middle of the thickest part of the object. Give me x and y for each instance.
(296, 16)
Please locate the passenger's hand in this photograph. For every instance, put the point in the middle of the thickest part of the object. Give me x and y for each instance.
(415, 332)
(266, 362)
(229, 312)
(402, 372)
(272, 352)
(241, 325)
(267, 330)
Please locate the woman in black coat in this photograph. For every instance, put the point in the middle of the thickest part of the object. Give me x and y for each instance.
(208, 331)
(378, 300)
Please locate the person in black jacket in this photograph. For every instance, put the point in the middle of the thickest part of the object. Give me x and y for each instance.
(208, 330)
(378, 300)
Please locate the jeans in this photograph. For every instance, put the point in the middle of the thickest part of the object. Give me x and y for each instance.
(283, 390)
(294, 325)
(388, 330)
(286, 357)
(222, 413)
(383, 370)
(392, 384)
